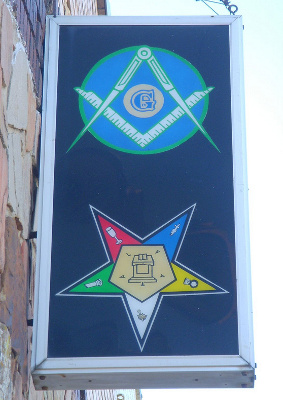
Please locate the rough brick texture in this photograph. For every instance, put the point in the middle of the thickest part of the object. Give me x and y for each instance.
(14, 306)
(30, 16)
(6, 45)
(3, 202)
(101, 7)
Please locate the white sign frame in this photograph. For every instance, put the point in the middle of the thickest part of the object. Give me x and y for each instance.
(142, 372)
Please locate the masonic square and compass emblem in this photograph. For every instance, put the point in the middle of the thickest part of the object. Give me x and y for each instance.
(143, 100)
(141, 271)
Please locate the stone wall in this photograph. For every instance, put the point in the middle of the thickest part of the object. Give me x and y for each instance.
(20, 88)
(22, 25)
(30, 16)
(77, 7)
(19, 132)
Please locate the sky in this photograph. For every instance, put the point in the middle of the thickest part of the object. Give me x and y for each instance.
(263, 66)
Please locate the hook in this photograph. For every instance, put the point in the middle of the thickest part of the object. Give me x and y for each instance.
(232, 9)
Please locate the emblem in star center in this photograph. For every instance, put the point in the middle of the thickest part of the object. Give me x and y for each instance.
(141, 271)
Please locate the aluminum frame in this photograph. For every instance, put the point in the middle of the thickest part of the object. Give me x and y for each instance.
(142, 372)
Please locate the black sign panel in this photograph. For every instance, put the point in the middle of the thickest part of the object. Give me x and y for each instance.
(143, 235)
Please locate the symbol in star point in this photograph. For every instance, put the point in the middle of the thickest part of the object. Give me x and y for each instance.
(114, 236)
(187, 281)
(97, 283)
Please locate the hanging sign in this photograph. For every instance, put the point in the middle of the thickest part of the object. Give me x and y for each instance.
(143, 261)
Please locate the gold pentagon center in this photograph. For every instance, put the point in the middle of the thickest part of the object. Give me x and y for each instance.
(142, 270)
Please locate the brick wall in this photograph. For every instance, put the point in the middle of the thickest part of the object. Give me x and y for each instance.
(19, 134)
(101, 7)
(30, 16)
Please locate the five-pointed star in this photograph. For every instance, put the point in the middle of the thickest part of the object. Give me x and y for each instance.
(141, 271)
